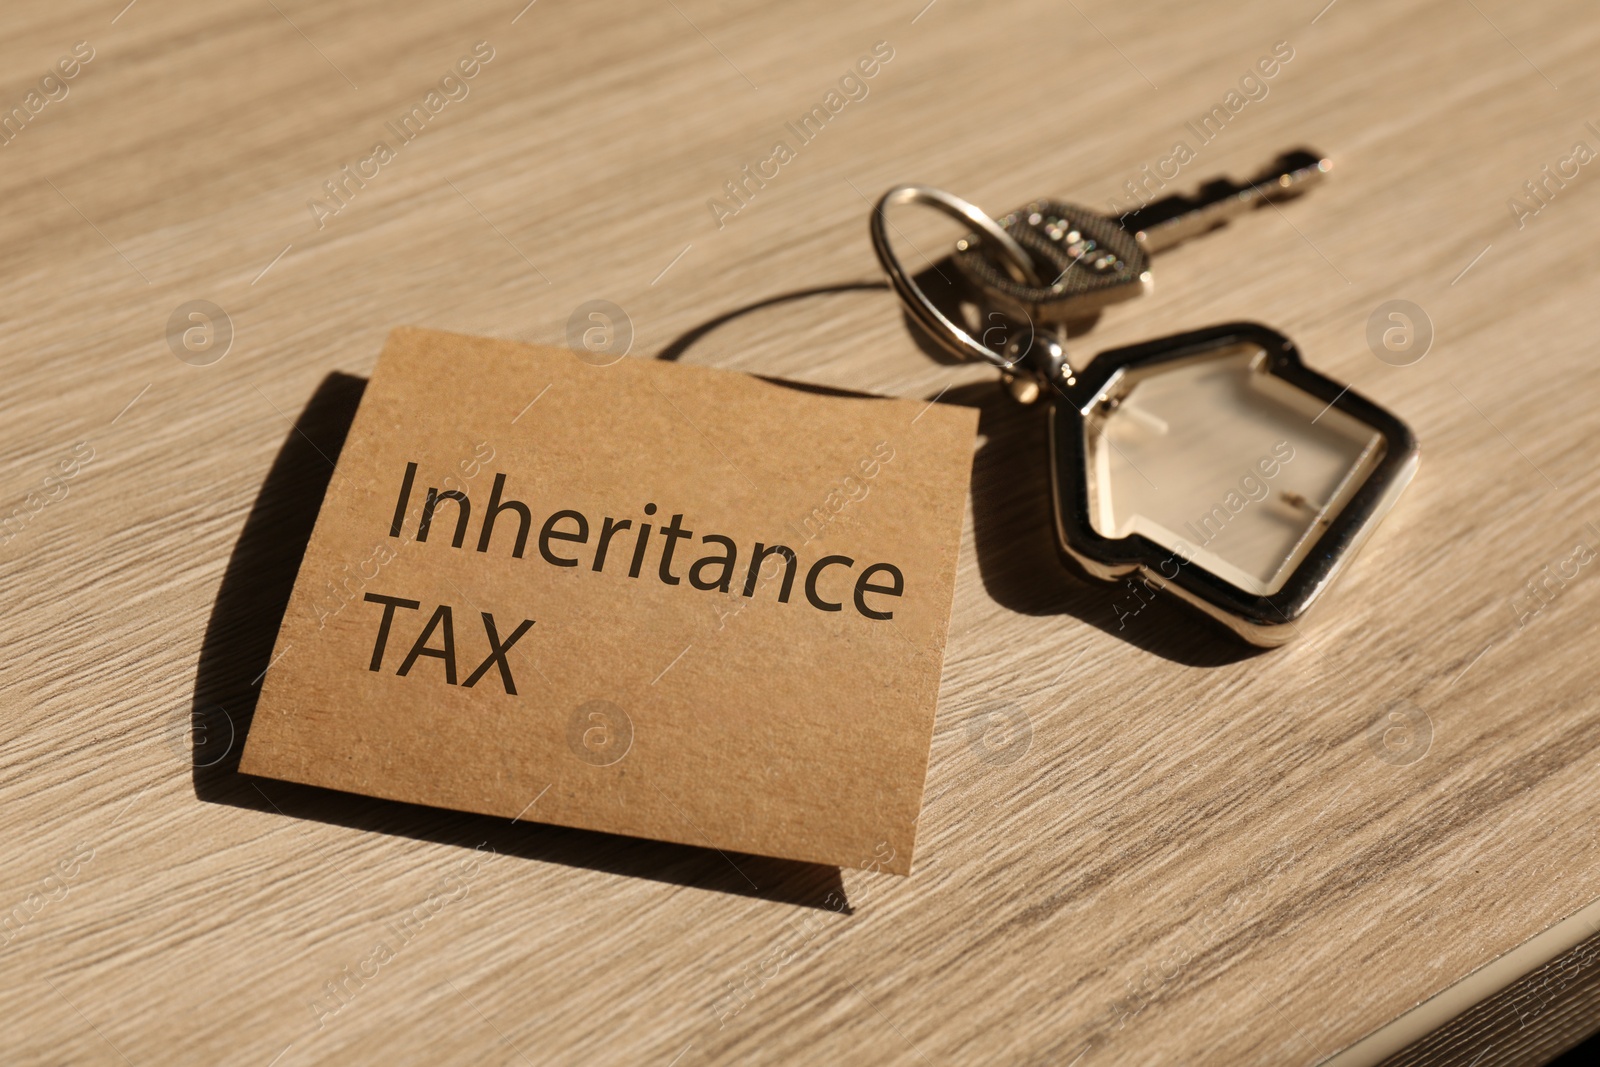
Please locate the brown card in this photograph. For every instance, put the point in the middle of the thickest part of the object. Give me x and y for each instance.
(523, 648)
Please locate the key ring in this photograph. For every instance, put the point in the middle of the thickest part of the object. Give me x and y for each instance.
(939, 325)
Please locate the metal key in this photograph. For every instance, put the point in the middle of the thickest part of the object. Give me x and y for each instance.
(1094, 259)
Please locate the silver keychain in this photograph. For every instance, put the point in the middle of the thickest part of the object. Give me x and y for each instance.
(1213, 463)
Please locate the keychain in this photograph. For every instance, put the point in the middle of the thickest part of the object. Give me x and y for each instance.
(1214, 463)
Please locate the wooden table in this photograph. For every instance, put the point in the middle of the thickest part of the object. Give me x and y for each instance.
(1189, 854)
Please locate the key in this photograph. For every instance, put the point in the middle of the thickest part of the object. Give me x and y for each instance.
(1094, 260)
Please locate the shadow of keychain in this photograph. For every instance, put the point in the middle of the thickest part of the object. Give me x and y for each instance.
(1214, 463)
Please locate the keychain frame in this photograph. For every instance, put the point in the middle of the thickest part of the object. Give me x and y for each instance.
(1265, 620)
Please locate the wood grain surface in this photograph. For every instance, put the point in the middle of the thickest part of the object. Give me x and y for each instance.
(1182, 852)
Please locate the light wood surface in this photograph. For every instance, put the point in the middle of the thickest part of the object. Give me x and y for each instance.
(1198, 858)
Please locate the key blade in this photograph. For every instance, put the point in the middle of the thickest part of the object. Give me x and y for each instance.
(1170, 220)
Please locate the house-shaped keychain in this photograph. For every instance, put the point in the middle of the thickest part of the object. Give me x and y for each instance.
(1214, 463)
(1223, 469)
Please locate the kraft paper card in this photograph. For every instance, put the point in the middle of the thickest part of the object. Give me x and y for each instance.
(644, 598)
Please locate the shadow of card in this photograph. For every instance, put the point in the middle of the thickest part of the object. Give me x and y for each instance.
(238, 650)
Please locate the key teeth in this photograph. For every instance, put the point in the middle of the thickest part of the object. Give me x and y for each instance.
(1299, 159)
(1078, 289)
(1311, 165)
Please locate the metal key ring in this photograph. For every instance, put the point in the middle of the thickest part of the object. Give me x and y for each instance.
(951, 334)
